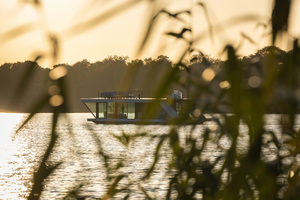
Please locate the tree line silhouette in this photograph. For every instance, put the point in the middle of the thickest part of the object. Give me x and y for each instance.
(86, 80)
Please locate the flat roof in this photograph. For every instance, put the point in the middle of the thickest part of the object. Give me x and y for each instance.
(125, 100)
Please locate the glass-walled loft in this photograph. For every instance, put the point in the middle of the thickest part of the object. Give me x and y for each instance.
(112, 110)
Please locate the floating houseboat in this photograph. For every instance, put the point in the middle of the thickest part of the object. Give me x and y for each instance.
(132, 108)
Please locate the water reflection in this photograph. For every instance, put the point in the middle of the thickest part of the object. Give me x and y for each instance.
(78, 151)
(76, 148)
(14, 173)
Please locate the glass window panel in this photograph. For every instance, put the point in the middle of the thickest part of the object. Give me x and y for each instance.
(92, 107)
(123, 110)
(102, 110)
(110, 110)
(130, 110)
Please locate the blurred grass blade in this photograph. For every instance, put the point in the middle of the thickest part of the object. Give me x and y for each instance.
(210, 26)
(62, 83)
(235, 74)
(104, 16)
(179, 35)
(113, 189)
(53, 40)
(230, 23)
(36, 3)
(145, 192)
(123, 139)
(86, 7)
(170, 77)
(172, 182)
(25, 79)
(148, 32)
(74, 193)
(35, 109)
(280, 17)
(247, 37)
(44, 170)
(101, 153)
(17, 32)
(174, 143)
(156, 155)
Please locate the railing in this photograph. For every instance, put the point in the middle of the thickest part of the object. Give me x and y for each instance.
(128, 94)
(121, 95)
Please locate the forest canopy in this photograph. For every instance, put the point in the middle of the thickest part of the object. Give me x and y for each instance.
(87, 79)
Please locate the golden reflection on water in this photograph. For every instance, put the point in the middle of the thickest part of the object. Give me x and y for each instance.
(9, 124)
(12, 185)
(21, 153)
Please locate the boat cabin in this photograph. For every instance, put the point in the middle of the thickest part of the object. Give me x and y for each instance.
(120, 107)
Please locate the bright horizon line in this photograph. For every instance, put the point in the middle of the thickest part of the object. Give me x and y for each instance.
(127, 58)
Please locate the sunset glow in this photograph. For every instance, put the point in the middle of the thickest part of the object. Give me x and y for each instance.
(149, 99)
(122, 33)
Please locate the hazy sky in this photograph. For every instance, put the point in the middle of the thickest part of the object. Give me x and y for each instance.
(122, 34)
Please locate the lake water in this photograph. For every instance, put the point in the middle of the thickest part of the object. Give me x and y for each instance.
(21, 153)
(77, 149)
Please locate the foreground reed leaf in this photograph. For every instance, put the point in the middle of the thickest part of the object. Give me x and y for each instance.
(17, 32)
(37, 107)
(44, 169)
(210, 25)
(162, 139)
(230, 23)
(150, 27)
(43, 172)
(100, 18)
(123, 139)
(234, 74)
(113, 189)
(280, 17)
(145, 193)
(75, 193)
(25, 79)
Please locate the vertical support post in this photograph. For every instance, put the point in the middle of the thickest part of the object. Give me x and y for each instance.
(116, 110)
(97, 110)
(106, 110)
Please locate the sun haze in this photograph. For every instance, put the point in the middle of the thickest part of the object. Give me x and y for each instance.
(25, 27)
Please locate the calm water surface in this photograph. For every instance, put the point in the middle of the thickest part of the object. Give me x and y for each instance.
(77, 149)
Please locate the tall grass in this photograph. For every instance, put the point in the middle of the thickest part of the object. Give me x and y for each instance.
(248, 91)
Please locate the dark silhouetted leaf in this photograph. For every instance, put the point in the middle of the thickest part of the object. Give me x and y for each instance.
(280, 17)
